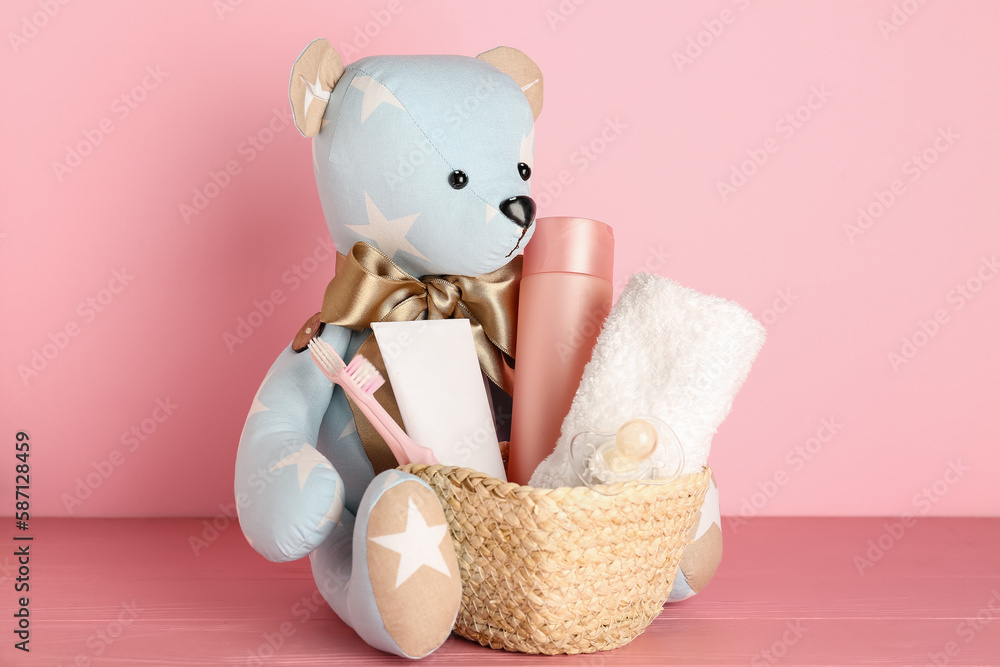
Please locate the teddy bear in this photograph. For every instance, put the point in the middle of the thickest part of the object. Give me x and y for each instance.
(423, 168)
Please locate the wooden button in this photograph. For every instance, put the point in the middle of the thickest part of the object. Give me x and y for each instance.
(312, 328)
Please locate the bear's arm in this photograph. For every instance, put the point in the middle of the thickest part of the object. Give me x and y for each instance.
(288, 495)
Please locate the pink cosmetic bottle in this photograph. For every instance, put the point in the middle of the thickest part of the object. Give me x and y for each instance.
(565, 296)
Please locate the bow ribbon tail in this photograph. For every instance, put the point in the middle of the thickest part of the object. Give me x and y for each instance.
(376, 449)
(491, 359)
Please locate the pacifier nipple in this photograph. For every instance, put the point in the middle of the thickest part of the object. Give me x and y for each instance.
(635, 442)
(643, 449)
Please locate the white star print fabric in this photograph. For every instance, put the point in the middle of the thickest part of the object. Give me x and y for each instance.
(374, 95)
(389, 236)
(418, 545)
(304, 459)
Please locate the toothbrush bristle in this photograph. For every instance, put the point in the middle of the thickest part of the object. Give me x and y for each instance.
(364, 374)
(361, 371)
(354, 363)
(324, 355)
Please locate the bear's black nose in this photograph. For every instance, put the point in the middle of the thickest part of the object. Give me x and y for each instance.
(519, 209)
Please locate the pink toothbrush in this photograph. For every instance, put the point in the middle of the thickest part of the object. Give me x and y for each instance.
(360, 379)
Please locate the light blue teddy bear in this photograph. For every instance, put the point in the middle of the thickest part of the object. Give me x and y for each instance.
(428, 159)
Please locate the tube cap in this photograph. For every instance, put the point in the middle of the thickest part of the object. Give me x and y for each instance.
(571, 245)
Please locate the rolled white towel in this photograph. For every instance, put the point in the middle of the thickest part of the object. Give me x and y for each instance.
(665, 351)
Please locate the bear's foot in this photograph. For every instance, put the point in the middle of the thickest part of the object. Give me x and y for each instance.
(702, 556)
(405, 588)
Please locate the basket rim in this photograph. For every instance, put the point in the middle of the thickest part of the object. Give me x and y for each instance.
(512, 488)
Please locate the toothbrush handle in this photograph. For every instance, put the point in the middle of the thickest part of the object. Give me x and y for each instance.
(402, 446)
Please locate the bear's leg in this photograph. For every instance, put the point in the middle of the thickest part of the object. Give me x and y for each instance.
(391, 573)
(331, 566)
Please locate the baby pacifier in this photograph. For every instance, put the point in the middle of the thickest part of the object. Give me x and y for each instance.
(643, 449)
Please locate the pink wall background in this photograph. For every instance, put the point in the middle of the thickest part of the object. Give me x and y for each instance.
(164, 94)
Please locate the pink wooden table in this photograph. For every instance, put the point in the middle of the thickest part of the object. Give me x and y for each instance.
(133, 592)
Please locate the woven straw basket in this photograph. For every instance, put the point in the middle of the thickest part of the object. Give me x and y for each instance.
(565, 570)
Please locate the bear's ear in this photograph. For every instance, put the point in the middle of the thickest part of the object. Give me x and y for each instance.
(314, 75)
(522, 69)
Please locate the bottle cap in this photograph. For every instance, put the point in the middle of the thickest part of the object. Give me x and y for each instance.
(571, 245)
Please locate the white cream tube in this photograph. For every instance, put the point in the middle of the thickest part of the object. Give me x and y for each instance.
(434, 372)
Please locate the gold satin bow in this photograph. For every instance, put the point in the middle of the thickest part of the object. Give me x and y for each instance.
(369, 287)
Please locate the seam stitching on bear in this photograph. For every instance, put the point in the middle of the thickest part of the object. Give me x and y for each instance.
(421, 130)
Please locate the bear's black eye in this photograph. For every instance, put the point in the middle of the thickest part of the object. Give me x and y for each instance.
(458, 179)
(524, 170)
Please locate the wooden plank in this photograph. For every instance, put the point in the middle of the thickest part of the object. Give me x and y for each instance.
(790, 591)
